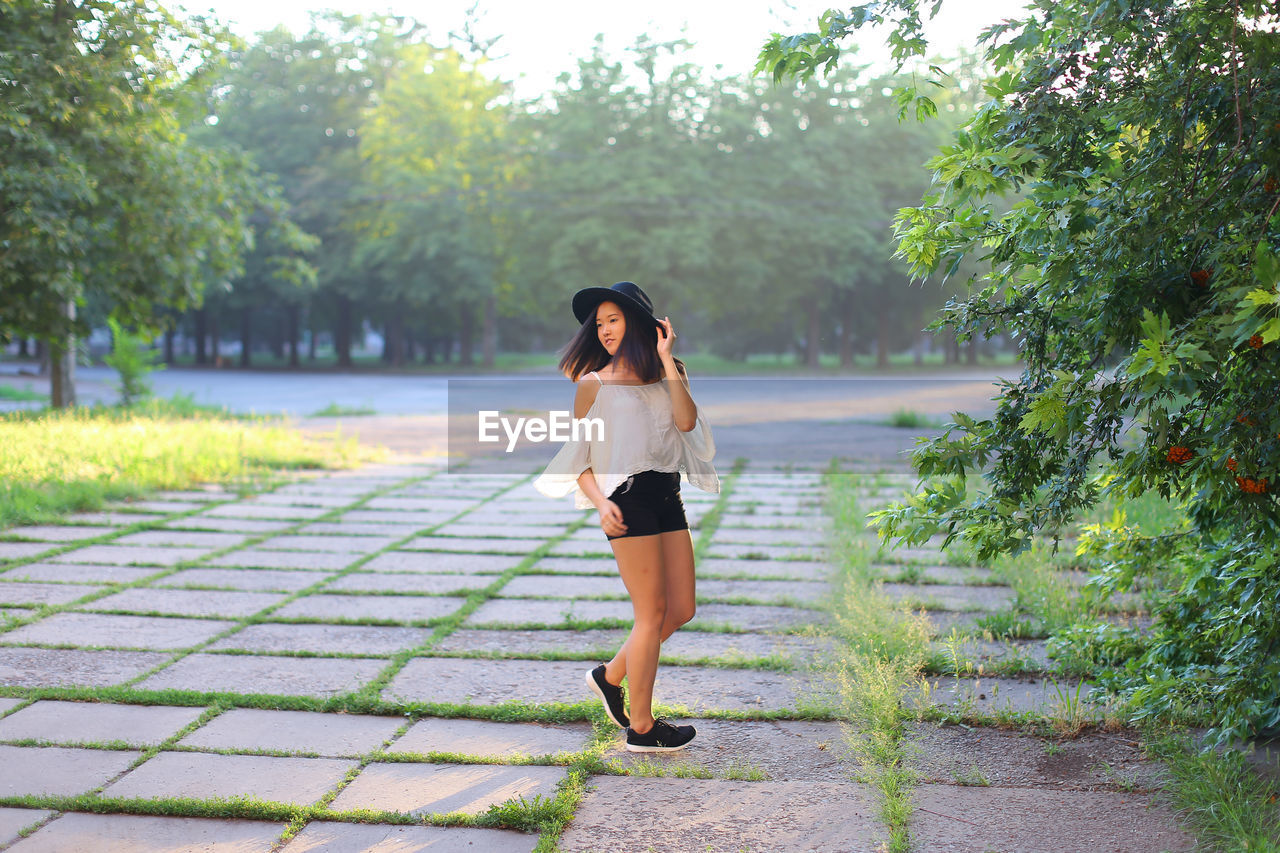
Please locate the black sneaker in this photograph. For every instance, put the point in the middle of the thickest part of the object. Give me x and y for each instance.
(609, 694)
(663, 737)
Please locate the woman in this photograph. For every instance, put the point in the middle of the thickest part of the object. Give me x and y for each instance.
(626, 375)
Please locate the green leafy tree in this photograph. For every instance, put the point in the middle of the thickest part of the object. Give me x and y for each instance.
(1137, 268)
(100, 189)
(440, 169)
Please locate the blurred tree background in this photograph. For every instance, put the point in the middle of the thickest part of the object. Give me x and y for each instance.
(365, 176)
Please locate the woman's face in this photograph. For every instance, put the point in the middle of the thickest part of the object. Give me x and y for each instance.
(611, 325)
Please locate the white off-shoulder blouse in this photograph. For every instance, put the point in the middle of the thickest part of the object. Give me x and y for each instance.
(640, 434)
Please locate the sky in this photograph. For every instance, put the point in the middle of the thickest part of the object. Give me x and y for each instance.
(541, 38)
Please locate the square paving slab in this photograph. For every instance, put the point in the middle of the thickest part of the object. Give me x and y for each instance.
(72, 667)
(410, 582)
(282, 580)
(551, 613)
(324, 837)
(96, 722)
(383, 516)
(55, 532)
(193, 774)
(1036, 819)
(767, 552)
(578, 566)
(348, 528)
(189, 538)
(74, 573)
(439, 562)
(13, 821)
(1015, 694)
(328, 735)
(564, 586)
(58, 771)
(391, 608)
(262, 512)
(754, 617)
(114, 630)
(506, 530)
(324, 500)
(374, 640)
(91, 833)
(7, 702)
(485, 739)
(766, 592)
(17, 592)
(127, 555)
(266, 674)
(597, 546)
(784, 751)
(112, 519)
(951, 596)
(228, 525)
(351, 545)
(445, 788)
(796, 570)
(315, 561)
(719, 816)
(23, 550)
(488, 682)
(1008, 759)
(462, 544)
(516, 642)
(187, 602)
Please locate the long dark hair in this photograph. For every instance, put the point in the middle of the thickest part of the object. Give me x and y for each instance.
(638, 348)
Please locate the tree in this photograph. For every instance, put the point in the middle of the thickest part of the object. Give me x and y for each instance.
(440, 169)
(100, 189)
(1138, 271)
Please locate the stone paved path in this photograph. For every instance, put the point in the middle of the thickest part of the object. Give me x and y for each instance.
(409, 644)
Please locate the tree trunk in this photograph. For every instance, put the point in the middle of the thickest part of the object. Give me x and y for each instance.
(201, 321)
(292, 312)
(276, 336)
(42, 357)
(246, 324)
(215, 341)
(23, 352)
(811, 349)
(846, 330)
(489, 335)
(311, 335)
(428, 350)
(62, 366)
(168, 344)
(409, 352)
(882, 345)
(466, 335)
(342, 334)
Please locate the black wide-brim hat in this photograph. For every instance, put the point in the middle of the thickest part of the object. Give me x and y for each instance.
(625, 293)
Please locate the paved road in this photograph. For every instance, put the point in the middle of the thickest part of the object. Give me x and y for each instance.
(745, 398)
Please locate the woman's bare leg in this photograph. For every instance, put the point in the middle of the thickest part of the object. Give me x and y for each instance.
(676, 550)
(640, 564)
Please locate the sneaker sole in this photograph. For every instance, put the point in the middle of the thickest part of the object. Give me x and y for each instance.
(638, 748)
(595, 688)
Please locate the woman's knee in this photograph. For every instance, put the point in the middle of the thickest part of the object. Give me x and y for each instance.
(680, 613)
(651, 617)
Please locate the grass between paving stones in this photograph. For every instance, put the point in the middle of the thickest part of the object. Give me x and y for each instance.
(880, 658)
(57, 461)
(1229, 806)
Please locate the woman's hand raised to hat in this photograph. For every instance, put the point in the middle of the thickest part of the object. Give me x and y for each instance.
(666, 335)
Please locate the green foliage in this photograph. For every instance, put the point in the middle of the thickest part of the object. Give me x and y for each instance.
(133, 359)
(101, 191)
(1137, 269)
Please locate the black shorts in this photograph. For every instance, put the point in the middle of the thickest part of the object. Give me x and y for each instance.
(650, 504)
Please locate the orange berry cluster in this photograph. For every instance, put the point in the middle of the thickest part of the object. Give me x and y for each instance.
(1231, 463)
(1178, 454)
(1201, 277)
(1256, 341)
(1250, 486)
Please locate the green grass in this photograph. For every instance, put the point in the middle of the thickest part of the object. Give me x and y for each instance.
(334, 410)
(58, 461)
(908, 419)
(1228, 805)
(24, 395)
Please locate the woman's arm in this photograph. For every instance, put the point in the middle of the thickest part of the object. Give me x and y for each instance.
(610, 515)
(683, 409)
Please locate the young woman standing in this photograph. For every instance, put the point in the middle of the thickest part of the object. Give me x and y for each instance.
(626, 375)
